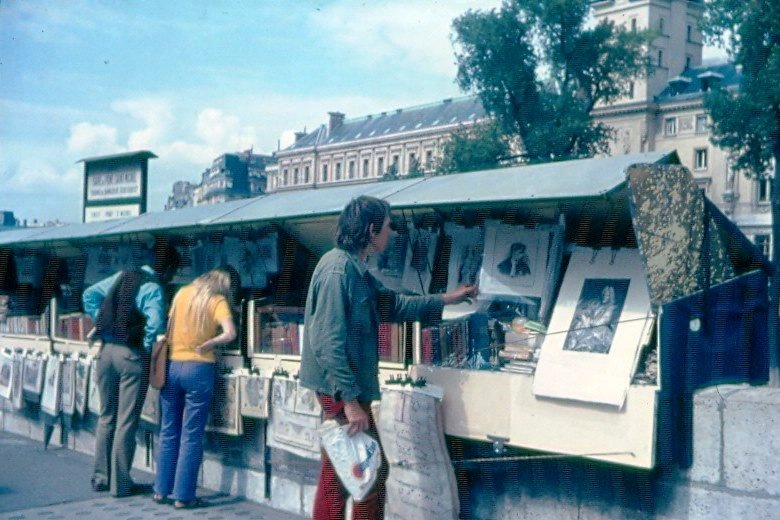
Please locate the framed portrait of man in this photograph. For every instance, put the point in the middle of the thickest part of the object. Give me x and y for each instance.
(601, 320)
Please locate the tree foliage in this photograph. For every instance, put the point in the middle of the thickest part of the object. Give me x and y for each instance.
(478, 147)
(747, 121)
(540, 71)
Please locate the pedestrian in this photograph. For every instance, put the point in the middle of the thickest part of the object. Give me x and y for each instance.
(344, 307)
(200, 321)
(128, 309)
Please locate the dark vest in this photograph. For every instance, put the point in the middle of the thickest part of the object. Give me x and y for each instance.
(119, 320)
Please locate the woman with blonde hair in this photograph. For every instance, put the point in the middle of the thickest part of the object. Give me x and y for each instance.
(201, 320)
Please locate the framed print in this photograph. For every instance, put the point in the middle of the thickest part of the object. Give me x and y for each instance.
(255, 396)
(68, 386)
(93, 401)
(17, 393)
(32, 376)
(420, 256)
(288, 430)
(598, 327)
(6, 369)
(82, 385)
(515, 261)
(306, 402)
(467, 247)
(225, 414)
(150, 412)
(50, 399)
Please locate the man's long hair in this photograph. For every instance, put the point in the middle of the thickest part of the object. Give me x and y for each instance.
(354, 231)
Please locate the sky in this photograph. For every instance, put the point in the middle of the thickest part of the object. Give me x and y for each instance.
(191, 80)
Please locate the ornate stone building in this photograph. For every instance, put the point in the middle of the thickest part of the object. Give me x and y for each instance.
(366, 148)
(231, 176)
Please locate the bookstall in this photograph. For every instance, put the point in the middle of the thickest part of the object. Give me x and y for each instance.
(568, 348)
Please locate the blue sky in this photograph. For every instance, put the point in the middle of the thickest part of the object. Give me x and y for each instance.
(192, 80)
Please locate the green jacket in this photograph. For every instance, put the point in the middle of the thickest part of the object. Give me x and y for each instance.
(343, 311)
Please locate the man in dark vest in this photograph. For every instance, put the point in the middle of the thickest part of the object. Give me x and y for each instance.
(128, 309)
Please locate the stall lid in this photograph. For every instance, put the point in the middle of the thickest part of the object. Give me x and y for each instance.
(68, 232)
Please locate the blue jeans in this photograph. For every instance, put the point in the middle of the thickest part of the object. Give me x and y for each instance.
(185, 401)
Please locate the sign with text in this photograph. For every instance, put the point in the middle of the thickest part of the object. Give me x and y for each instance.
(115, 186)
(121, 183)
(99, 213)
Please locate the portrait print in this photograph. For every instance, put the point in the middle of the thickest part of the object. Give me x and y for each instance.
(421, 256)
(515, 261)
(32, 376)
(50, 400)
(465, 260)
(597, 315)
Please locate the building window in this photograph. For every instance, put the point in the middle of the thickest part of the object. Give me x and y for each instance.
(661, 26)
(366, 164)
(687, 62)
(633, 24)
(702, 124)
(306, 175)
(285, 176)
(296, 176)
(660, 58)
(396, 158)
(690, 33)
(670, 126)
(324, 173)
(764, 244)
(380, 166)
(428, 159)
(700, 159)
(351, 169)
(631, 89)
(338, 172)
(764, 190)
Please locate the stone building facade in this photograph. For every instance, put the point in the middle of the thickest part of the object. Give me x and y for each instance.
(231, 176)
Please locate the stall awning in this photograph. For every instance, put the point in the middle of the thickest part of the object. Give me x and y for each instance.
(581, 179)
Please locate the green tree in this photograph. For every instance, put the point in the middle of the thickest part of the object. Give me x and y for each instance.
(747, 121)
(478, 147)
(540, 71)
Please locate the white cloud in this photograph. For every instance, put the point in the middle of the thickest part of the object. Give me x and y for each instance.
(398, 33)
(91, 138)
(155, 113)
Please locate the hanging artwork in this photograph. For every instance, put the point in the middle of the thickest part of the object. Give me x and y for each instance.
(465, 254)
(50, 399)
(255, 390)
(515, 261)
(105, 260)
(601, 320)
(288, 430)
(32, 376)
(306, 402)
(388, 267)
(188, 266)
(93, 401)
(82, 385)
(68, 386)
(150, 412)
(6, 370)
(420, 257)
(225, 414)
(17, 393)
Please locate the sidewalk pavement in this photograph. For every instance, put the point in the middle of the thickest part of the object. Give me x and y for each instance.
(54, 484)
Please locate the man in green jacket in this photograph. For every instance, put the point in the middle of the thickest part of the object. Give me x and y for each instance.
(344, 307)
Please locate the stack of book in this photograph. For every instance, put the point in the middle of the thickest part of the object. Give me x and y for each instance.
(27, 325)
(74, 326)
(392, 342)
(276, 329)
(521, 346)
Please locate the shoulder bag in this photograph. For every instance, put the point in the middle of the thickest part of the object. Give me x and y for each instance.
(159, 362)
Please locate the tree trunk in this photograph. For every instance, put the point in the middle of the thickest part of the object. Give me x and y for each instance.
(774, 282)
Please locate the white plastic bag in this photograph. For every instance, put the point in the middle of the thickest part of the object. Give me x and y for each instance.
(356, 459)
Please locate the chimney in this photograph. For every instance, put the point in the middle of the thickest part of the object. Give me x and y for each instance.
(335, 121)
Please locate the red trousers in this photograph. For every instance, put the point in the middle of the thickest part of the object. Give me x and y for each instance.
(331, 498)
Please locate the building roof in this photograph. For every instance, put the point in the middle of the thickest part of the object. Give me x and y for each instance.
(425, 117)
(566, 180)
(688, 85)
